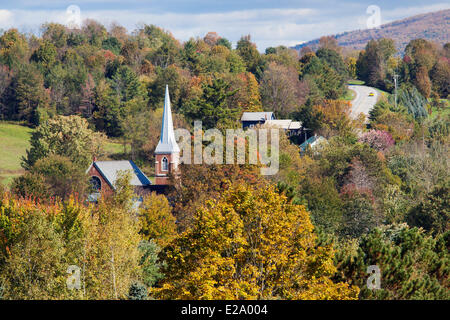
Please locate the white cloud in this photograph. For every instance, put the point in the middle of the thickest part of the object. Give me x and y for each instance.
(401, 13)
(6, 19)
(268, 27)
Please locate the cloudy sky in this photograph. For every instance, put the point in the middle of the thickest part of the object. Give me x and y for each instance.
(270, 23)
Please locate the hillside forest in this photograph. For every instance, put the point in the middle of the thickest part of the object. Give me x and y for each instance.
(375, 193)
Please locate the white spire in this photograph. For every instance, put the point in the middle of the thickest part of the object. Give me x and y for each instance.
(167, 142)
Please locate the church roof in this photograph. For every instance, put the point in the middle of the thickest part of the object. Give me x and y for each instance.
(110, 170)
(167, 142)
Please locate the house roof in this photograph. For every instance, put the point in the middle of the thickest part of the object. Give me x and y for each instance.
(311, 141)
(284, 124)
(167, 142)
(295, 125)
(110, 170)
(257, 116)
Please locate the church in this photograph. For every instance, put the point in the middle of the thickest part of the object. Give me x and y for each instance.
(103, 174)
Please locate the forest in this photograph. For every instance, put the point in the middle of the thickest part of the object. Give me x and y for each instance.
(375, 193)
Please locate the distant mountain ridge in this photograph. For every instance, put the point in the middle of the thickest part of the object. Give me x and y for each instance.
(434, 26)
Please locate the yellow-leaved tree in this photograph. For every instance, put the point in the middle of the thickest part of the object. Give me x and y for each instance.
(157, 221)
(251, 243)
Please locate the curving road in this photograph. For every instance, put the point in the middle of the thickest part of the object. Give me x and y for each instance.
(363, 102)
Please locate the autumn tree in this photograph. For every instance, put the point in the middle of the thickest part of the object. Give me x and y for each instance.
(247, 50)
(280, 90)
(34, 269)
(372, 63)
(110, 254)
(54, 176)
(237, 249)
(201, 182)
(65, 136)
(440, 76)
(335, 117)
(157, 221)
(13, 49)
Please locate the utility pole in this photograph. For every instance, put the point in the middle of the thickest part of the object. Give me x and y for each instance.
(395, 90)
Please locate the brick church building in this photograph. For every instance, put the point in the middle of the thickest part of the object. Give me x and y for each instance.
(103, 174)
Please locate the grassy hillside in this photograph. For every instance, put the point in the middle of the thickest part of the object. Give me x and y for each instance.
(14, 141)
(430, 26)
(13, 145)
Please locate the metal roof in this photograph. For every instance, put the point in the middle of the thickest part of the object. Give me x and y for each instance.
(295, 125)
(312, 141)
(284, 124)
(110, 170)
(257, 116)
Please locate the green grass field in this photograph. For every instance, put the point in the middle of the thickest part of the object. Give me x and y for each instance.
(442, 111)
(358, 82)
(13, 145)
(14, 141)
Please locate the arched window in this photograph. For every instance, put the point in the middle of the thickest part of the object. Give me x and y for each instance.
(165, 164)
(96, 183)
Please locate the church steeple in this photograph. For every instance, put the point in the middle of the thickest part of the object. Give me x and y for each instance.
(167, 143)
(167, 151)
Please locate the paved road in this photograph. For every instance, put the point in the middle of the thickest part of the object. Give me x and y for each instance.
(363, 102)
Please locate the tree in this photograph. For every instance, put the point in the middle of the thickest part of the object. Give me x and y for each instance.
(150, 263)
(247, 96)
(94, 32)
(202, 182)
(111, 255)
(6, 110)
(334, 60)
(61, 178)
(35, 268)
(157, 221)
(327, 80)
(372, 63)
(324, 202)
(413, 264)
(335, 117)
(358, 212)
(30, 184)
(432, 213)
(224, 42)
(137, 291)
(211, 38)
(415, 103)
(65, 136)
(212, 107)
(237, 248)
(329, 43)
(440, 77)
(13, 49)
(55, 33)
(247, 50)
(45, 55)
(38, 241)
(423, 82)
(280, 90)
(379, 140)
(31, 96)
(107, 112)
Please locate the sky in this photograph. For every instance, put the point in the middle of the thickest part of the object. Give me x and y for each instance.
(270, 23)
